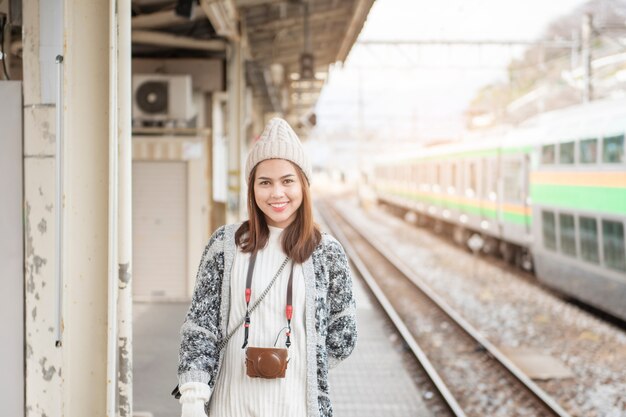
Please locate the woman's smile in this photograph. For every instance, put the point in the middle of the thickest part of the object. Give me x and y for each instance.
(279, 207)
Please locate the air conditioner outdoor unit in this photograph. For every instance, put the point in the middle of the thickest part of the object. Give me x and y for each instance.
(162, 100)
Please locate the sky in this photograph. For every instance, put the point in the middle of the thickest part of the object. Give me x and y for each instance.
(421, 92)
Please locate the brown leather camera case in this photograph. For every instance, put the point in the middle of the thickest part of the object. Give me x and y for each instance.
(267, 363)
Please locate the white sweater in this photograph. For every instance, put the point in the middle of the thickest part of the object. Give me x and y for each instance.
(236, 394)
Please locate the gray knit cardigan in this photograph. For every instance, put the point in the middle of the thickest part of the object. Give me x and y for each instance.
(330, 315)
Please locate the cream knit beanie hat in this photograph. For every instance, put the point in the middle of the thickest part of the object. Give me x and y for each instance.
(278, 141)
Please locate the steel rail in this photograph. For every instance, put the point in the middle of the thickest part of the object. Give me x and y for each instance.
(472, 332)
(405, 333)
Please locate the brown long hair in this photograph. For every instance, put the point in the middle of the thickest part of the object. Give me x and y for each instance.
(299, 239)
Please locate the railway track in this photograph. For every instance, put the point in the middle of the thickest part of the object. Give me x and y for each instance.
(471, 376)
(520, 273)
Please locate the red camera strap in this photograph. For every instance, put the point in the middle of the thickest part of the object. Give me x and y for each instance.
(288, 308)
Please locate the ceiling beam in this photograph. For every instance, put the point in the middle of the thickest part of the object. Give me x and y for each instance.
(269, 40)
(361, 10)
(295, 45)
(280, 24)
(254, 3)
(223, 16)
(295, 49)
(163, 19)
(147, 37)
(292, 62)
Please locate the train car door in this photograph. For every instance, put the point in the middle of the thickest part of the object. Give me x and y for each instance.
(512, 214)
(483, 194)
(526, 195)
(471, 193)
(499, 201)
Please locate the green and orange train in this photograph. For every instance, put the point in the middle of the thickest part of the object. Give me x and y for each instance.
(549, 195)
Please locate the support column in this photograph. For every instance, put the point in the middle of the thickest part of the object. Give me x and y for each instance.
(43, 40)
(235, 204)
(86, 201)
(66, 373)
(125, 236)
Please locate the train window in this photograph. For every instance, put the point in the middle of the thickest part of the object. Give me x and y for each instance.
(588, 150)
(568, 234)
(613, 149)
(589, 239)
(426, 174)
(566, 153)
(512, 180)
(493, 180)
(547, 154)
(432, 175)
(484, 175)
(613, 245)
(472, 178)
(453, 180)
(549, 229)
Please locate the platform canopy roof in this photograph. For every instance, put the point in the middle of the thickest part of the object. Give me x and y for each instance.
(277, 32)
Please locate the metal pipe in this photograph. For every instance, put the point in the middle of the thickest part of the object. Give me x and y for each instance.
(112, 217)
(59, 203)
(124, 237)
(147, 37)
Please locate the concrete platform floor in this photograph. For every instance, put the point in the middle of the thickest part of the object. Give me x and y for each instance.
(372, 382)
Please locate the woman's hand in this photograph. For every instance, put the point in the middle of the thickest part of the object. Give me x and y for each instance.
(193, 396)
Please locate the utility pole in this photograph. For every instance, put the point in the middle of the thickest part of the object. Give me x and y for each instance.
(586, 33)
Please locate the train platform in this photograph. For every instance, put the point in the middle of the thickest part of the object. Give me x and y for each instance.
(371, 382)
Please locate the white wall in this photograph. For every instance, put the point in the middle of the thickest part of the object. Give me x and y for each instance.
(11, 250)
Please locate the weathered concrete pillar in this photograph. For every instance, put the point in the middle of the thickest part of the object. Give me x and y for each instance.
(125, 216)
(42, 38)
(68, 378)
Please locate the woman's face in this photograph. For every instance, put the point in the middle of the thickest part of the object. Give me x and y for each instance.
(277, 191)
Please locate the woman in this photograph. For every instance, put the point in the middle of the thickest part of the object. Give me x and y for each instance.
(306, 310)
